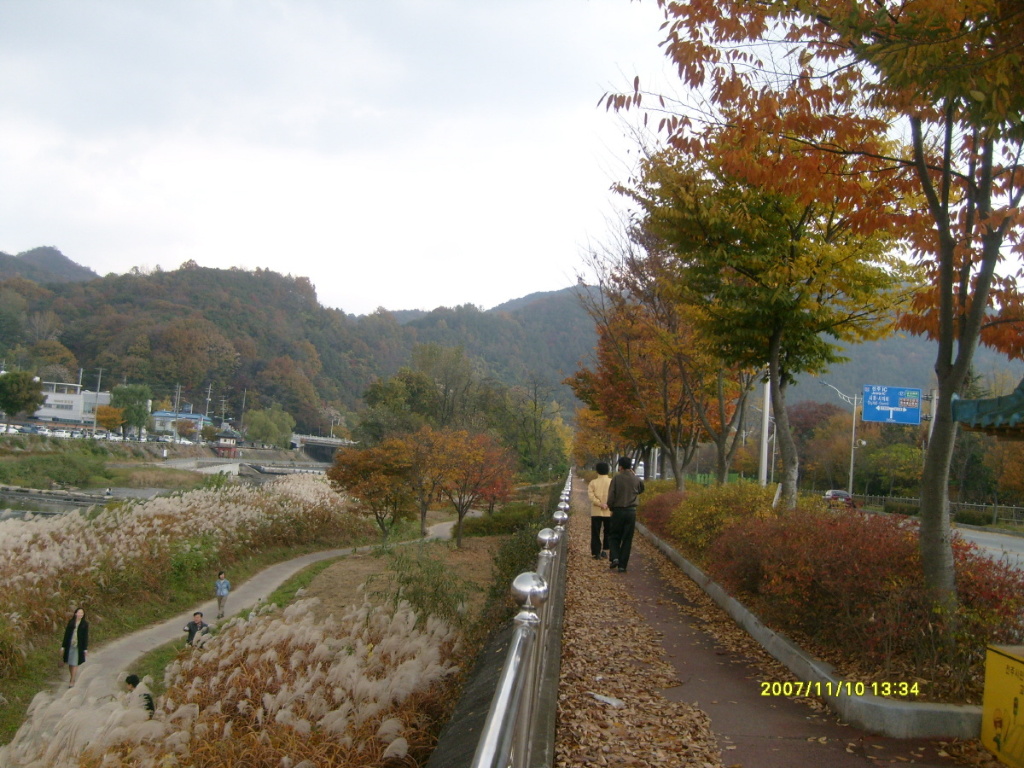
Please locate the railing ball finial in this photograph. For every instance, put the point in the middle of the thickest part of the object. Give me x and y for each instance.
(529, 590)
(547, 539)
(560, 517)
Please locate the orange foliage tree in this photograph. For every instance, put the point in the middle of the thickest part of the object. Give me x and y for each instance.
(377, 479)
(426, 468)
(921, 97)
(109, 417)
(653, 376)
(474, 466)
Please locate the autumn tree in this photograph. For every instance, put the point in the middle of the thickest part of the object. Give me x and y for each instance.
(109, 417)
(772, 276)
(377, 480)
(427, 467)
(473, 464)
(593, 438)
(1004, 461)
(921, 98)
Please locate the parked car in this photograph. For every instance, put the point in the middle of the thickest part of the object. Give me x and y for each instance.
(839, 498)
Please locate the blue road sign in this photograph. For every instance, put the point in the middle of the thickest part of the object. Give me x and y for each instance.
(892, 405)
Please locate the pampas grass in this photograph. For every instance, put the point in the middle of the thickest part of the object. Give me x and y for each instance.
(353, 691)
(50, 565)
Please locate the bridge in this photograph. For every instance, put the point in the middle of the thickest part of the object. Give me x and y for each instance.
(319, 447)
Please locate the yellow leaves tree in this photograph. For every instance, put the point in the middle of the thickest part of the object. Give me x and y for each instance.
(109, 417)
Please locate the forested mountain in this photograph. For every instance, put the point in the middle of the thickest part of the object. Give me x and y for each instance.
(233, 334)
(43, 265)
(229, 334)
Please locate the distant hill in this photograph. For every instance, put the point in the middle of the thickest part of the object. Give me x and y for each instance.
(217, 338)
(895, 361)
(44, 265)
(224, 336)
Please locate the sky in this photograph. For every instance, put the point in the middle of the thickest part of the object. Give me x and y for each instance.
(405, 154)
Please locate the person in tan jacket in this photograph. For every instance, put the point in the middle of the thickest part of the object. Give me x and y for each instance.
(600, 514)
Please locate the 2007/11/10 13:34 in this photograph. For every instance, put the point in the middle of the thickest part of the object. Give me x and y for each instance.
(799, 688)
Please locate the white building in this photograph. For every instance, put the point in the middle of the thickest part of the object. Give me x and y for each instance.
(69, 403)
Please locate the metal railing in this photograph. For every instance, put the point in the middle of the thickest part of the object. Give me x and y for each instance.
(512, 736)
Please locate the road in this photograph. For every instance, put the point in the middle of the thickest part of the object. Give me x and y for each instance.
(998, 546)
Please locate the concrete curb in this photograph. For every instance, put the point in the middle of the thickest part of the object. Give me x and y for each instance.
(887, 717)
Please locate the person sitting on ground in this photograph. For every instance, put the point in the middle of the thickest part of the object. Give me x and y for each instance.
(196, 629)
(139, 695)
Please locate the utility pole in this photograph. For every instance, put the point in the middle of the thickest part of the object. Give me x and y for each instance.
(177, 399)
(854, 401)
(762, 472)
(96, 400)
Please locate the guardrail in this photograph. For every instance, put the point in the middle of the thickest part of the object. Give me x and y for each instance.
(515, 734)
(996, 513)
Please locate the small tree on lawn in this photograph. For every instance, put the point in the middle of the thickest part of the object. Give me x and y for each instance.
(426, 469)
(473, 463)
(377, 479)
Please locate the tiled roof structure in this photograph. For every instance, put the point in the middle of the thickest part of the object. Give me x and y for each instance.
(999, 416)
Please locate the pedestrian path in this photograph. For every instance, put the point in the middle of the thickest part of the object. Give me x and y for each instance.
(721, 679)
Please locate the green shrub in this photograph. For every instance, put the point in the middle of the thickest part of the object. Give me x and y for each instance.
(901, 508)
(426, 582)
(973, 517)
(12, 648)
(42, 470)
(704, 512)
(509, 519)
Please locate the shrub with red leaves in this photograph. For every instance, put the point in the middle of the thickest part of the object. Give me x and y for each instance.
(853, 583)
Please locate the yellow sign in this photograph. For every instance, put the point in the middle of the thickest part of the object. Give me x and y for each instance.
(1002, 712)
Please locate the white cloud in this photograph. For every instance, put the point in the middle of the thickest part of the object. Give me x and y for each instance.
(404, 153)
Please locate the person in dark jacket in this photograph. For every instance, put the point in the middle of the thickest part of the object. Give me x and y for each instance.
(622, 498)
(196, 628)
(76, 643)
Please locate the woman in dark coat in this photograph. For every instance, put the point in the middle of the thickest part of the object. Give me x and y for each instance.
(76, 643)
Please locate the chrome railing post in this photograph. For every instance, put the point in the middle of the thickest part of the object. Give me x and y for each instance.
(509, 731)
(512, 701)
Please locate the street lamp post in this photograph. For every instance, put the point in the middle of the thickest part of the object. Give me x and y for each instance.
(853, 430)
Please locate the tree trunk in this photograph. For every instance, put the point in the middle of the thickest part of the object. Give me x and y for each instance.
(935, 533)
(783, 433)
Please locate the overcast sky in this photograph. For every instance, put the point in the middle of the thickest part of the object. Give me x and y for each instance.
(400, 153)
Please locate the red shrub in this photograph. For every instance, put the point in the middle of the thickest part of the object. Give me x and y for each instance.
(656, 511)
(853, 582)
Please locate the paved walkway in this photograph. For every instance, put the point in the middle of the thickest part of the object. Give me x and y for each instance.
(753, 731)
